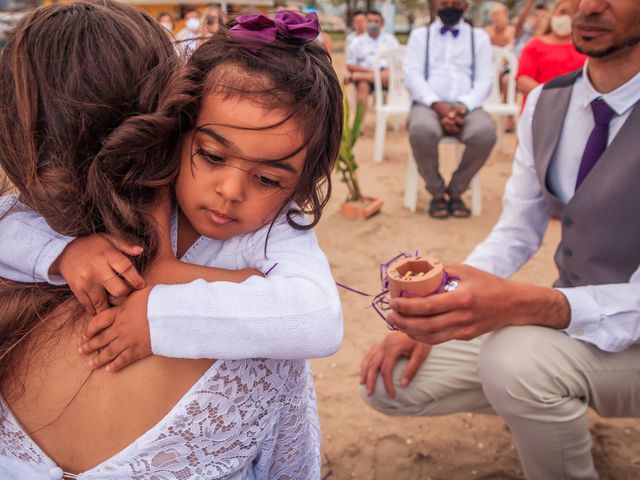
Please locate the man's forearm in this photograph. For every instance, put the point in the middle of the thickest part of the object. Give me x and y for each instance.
(533, 305)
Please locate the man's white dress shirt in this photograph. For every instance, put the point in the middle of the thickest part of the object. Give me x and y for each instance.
(607, 316)
(450, 66)
(364, 48)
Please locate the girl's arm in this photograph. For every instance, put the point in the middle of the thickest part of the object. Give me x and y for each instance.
(292, 313)
(28, 246)
(32, 252)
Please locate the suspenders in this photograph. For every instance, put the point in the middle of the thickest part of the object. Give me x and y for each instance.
(473, 56)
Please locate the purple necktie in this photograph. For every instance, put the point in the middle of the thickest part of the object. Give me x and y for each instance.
(454, 31)
(597, 143)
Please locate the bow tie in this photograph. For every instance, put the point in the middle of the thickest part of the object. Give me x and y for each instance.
(454, 31)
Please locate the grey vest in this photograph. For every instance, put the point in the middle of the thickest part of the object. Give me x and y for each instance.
(601, 223)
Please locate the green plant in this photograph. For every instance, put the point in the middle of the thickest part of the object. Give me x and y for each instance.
(346, 164)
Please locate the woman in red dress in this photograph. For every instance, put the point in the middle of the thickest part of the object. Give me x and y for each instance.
(550, 55)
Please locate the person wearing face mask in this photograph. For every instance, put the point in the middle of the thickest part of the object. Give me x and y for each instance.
(361, 53)
(551, 55)
(187, 38)
(449, 72)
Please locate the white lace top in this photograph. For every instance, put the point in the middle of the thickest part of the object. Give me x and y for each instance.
(244, 419)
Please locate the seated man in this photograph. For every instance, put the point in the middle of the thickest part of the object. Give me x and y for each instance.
(361, 53)
(553, 352)
(449, 72)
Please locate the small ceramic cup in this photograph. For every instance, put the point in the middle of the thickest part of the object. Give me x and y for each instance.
(415, 277)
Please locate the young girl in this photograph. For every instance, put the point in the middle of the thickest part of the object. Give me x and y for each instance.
(256, 146)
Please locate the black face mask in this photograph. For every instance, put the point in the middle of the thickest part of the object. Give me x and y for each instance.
(450, 15)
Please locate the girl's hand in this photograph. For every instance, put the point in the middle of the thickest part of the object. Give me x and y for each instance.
(120, 334)
(96, 267)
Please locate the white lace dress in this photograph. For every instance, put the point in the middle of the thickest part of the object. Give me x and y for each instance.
(244, 419)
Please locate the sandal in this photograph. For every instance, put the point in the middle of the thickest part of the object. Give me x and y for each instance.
(458, 209)
(438, 208)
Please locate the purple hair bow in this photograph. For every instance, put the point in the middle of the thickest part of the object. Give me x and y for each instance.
(256, 31)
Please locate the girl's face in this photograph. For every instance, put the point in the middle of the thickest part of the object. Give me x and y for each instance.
(233, 178)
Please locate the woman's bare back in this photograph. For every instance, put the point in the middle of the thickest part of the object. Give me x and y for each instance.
(80, 418)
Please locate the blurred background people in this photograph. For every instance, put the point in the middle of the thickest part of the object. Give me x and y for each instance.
(187, 38)
(550, 55)
(358, 27)
(214, 19)
(362, 52)
(531, 23)
(166, 20)
(500, 32)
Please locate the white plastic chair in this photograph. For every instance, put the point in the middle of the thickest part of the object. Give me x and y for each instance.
(413, 179)
(392, 103)
(495, 105)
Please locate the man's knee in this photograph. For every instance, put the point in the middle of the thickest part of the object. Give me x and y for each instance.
(517, 372)
(422, 129)
(482, 132)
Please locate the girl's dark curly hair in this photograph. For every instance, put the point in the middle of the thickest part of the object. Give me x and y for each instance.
(92, 102)
(294, 78)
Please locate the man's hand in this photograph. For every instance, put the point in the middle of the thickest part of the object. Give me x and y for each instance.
(482, 303)
(97, 266)
(383, 356)
(442, 108)
(121, 334)
(451, 116)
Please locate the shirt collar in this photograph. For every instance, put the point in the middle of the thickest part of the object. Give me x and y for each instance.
(621, 99)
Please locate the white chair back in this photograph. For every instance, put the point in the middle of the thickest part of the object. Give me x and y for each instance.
(397, 97)
(503, 60)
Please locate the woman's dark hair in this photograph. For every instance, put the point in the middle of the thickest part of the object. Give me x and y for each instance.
(294, 78)
(92, 102)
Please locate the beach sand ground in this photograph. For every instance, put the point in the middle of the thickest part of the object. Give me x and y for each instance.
(359, 442)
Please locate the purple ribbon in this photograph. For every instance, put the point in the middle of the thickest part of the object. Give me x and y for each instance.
(381, 301)
(257, 30)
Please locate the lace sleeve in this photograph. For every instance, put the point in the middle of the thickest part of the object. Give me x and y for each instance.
(293, 450)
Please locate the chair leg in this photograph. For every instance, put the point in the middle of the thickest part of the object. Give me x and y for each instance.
(476, 196)
(379, 137)
(500, 125)
(412, 184)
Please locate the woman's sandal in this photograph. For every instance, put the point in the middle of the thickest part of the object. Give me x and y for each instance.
(458, 209)
(439, 208)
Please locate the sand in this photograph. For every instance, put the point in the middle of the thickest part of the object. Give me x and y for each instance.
(359, 442)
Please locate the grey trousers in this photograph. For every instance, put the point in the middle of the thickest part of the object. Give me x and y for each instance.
(478, 135)
(539, 380)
